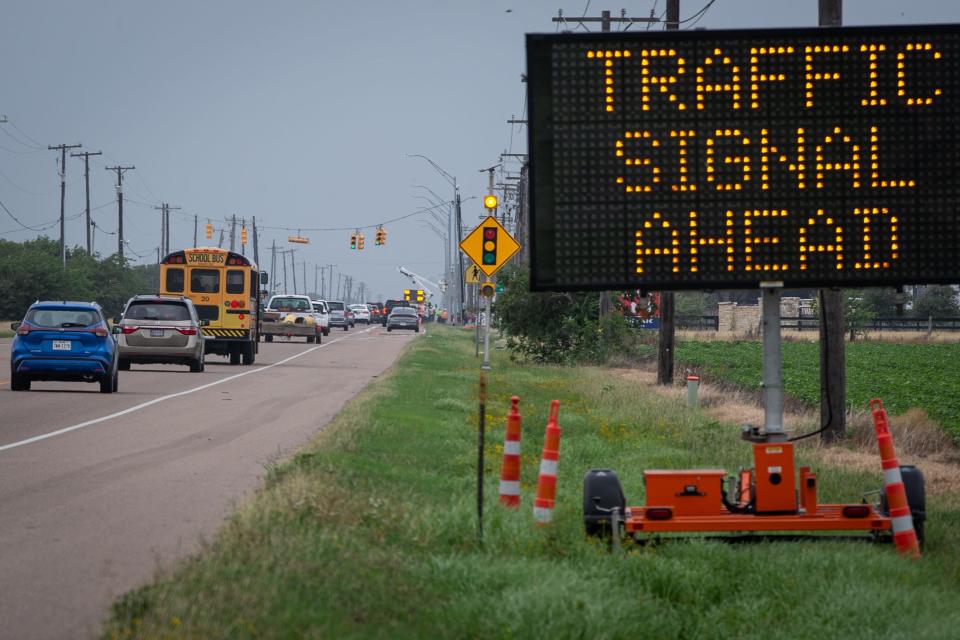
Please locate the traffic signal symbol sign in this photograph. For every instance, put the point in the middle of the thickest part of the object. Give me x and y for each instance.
(406, 295)
(489, 245)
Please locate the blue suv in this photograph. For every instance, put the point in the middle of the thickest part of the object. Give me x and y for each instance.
(63, 341)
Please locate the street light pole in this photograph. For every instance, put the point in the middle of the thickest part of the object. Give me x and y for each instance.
(458, 235)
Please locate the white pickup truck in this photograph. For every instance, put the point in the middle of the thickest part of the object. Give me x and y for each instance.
(291, 316)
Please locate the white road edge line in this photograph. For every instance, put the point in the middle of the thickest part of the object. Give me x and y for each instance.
(90, 423)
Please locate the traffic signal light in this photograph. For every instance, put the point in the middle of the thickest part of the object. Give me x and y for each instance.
(406, 295)
(419, 295)
(489, 245)
(381, 237)
(209, 231)
(487, 289)
(360, 241)
(490, 201)
(243, 236)
(353, 241)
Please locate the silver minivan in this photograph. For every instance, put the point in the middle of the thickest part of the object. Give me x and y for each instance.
(338, 314)
(160, 329)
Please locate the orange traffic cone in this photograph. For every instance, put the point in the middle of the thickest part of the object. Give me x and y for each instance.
(547, 482)
(904, 535)
(510, 471)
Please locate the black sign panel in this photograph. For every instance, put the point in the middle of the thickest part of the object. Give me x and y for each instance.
(723, 159)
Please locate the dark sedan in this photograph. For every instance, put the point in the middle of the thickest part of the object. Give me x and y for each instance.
(403, 318)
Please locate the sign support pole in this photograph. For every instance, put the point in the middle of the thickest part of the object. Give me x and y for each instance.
(486, 335)
(480, 440)
(772, 363)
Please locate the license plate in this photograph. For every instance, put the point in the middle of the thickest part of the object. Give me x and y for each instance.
(156, 333)
(62, 345)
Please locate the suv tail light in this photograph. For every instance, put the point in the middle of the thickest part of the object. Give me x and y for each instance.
(24, 329)
(189, 331)
(128, 330)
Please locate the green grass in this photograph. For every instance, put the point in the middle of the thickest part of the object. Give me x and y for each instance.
(370, 531)
(903, 375)
(5, 330)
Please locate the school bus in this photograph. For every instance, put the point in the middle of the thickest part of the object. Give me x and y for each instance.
(225, 288)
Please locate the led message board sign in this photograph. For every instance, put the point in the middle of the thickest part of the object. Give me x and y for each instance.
(723, 159)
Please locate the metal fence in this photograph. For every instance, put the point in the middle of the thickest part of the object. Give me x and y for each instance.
(808, 323)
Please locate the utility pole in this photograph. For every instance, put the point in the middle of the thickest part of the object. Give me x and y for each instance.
(665, 348)
(316, 279)
(339, 278)
(283, 256)
(220, 241)
(330, 290)
(233, 231)
(256, 243)
(606, 20)
(120, 171)
(163, 226)
(62, 148)
(86, 177)
(305, 277)
(194, 229)
(273, 266)
(833, 378)
(293, 270)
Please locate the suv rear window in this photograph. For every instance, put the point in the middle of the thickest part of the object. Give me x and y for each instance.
(153, 310)
(335, 306)
(61, 318)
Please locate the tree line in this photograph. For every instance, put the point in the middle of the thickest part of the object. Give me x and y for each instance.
(32, 270)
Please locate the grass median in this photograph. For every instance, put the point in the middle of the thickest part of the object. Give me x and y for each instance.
(369, 531)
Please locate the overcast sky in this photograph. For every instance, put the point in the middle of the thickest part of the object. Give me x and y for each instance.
(300, 113)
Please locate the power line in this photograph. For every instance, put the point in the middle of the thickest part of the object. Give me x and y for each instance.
(26, 191)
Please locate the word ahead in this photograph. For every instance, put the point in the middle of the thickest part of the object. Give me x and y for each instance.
(723, 159)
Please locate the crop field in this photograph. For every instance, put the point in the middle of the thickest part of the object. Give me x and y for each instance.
(902, 375)
(370, 530)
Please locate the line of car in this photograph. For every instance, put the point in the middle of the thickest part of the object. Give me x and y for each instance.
(74, 341)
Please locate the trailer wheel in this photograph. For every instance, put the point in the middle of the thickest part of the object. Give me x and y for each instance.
(601, 493)
(915, 488)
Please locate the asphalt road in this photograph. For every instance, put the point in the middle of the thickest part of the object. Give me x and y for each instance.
(98, 490)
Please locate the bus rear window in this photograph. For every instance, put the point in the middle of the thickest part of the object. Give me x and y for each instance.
(234, 281)
(205, 281)
(175, 280)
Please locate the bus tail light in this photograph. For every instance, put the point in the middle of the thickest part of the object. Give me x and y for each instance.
(234, 304)
(189, 331)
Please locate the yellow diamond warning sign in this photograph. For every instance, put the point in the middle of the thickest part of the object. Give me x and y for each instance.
(489, 245)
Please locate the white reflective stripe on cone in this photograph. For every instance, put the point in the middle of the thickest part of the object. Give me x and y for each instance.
(542, 515)
(902, 523)
(548, 467)
(892, 476)
(511, 447)
(509, 487)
